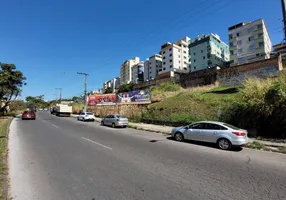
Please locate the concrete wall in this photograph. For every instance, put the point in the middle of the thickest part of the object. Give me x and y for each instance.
(236, 75)
(129, 110)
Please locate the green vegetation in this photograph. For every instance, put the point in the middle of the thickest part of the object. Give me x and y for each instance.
(37, 101)
(282, 149)
(4, 124)
(255, 145)
(259, 104)
(125, 88)
(77, 107)
(192, 105)
(11, 82)
(108, 90)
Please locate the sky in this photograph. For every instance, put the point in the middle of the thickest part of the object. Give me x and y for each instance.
(51, 40)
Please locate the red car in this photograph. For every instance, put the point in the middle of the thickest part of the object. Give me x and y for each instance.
(29, 115)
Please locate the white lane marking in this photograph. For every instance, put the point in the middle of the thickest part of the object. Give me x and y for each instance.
(44, 120)
(55, 126)
(96, 143)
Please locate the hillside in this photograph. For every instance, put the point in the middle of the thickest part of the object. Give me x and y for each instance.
(202, 103)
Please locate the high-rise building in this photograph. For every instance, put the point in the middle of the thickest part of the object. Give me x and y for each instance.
(152, 67)
(113, 84)
(138, 73)
(249, 42)
(207, 51)
(175, 56)
(126, 70)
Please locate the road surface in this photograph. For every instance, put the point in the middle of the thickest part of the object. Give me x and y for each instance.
(64, 159)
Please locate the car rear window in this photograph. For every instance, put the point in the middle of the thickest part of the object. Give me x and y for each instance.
(231, 126)
(29, 112)
(89, 113)
(120, 116)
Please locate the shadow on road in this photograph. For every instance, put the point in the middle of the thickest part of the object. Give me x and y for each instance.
(211, 145)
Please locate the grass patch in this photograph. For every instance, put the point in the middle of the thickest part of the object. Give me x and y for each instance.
(255, 145)
(194, 105)
(4, 128)
(283, 149)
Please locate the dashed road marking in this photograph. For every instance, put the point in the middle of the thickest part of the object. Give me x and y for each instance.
(96, 143)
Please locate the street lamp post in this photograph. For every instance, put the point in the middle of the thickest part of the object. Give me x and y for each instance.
(85, 86)
(60, 92)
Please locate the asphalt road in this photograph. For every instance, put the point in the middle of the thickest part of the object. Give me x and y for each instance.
(64, 159)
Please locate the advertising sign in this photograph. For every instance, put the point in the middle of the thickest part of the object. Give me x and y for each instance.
(136, 96)
(101, 99)
(140, 73)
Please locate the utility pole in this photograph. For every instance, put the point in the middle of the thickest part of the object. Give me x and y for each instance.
(283, 2)
(85, 86)
(60, 92)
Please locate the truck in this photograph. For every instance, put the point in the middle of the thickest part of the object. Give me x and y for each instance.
(63, 110)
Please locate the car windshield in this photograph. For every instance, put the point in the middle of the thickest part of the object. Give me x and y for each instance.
(120, 116)
(89, 113)
(231, 126)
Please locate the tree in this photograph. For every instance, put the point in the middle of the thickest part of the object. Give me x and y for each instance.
(125, 88)
(37, 101)
(11, 82)
(108, 90)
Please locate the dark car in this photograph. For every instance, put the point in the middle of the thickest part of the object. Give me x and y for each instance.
(29, 115)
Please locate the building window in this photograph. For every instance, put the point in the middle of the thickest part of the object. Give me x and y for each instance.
(184, 52)
(150, 68)
(239, 42)
(163, 52)
(171, 66)
(195, 68)
(194, 54)
(204, 57)
(230, 44)
(179, 50)
(150, 72)
(237, 34)
(231, 52)
(164, 57)
(156, 65)
(185, 57)
(170, 60)
(202, 51)
(251, 38)
(252, 47)
(179, 61)
(250, 30)
(230, 36)
(164, 68)
(259, 26)
(239, 50)
(260, 35)
(179, 56)
(170, 49)
(164, 63)
(170, 55)
(194, 60)
(261, 44)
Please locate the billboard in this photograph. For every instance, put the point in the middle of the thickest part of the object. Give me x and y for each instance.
(140, 73)
(136, 96)
(101, 99)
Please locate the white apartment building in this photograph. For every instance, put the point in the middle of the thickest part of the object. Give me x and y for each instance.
(175, 56)
(152, 66)
(126, 70)
(249, 42)
(113, 83)
(138, 73)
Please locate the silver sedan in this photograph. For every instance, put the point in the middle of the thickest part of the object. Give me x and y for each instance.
(223, 134)
(115, 120)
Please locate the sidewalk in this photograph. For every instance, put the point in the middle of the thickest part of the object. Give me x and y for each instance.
(167, 130)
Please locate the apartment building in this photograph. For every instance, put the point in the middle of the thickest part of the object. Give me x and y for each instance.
(137, 73)
(113, 83)
(152, 66)
(249, 42)
(280, 49)
(175, 56)
(126, 70)
(207, 51)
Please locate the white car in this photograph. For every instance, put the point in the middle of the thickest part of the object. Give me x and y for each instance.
(86, 116)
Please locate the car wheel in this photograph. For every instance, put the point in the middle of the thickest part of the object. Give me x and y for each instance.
(179, 137)
(102, 123)
(224, 144)
(124, 126)
(93, 120)
(113, 125)
(77, 118)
